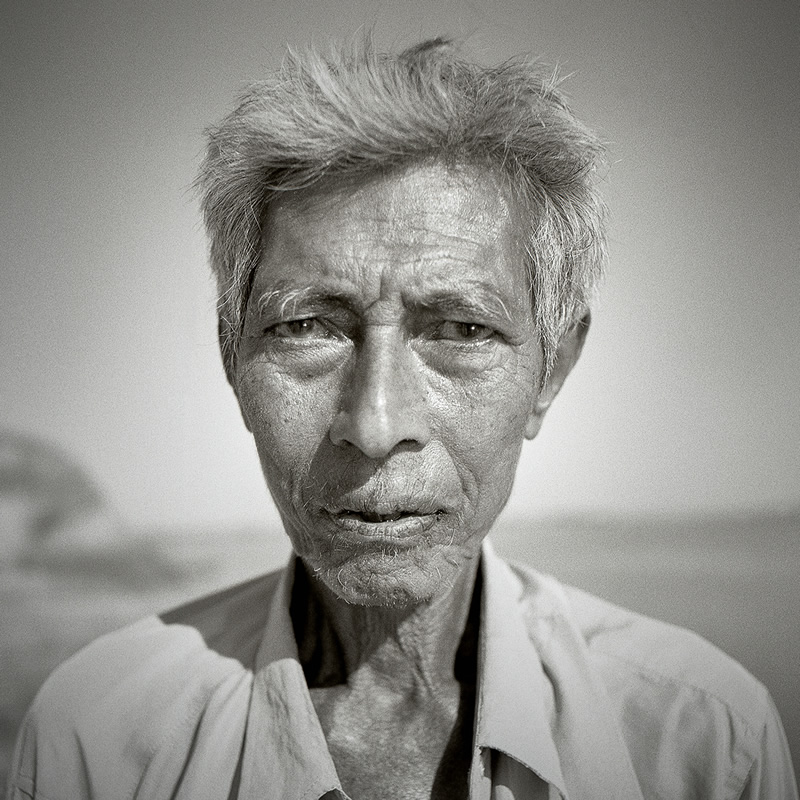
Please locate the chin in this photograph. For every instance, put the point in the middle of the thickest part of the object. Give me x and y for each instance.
(389, 579)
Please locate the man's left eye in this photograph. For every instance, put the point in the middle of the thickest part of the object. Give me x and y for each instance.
(464, 331)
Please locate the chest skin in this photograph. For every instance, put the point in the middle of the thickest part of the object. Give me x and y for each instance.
(396, 737)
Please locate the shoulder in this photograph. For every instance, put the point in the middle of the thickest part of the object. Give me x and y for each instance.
(186, 650)
(107, 715)
(666, 654)
(621, 641)
(688, 712)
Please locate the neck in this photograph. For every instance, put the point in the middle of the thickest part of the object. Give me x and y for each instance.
(433, 642)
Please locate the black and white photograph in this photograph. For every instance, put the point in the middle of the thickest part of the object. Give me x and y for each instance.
(400, 400)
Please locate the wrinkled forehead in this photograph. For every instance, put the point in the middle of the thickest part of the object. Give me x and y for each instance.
(430, 212)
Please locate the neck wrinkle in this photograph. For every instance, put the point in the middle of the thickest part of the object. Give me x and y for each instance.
(337, 641)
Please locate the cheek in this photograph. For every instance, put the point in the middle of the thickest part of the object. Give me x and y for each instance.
(485, 427)
(494, 440)
(287, 420)
(489, 412)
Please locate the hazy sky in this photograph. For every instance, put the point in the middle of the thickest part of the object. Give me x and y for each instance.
(686, 395)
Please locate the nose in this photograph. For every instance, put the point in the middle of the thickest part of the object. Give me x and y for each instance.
(383, 404)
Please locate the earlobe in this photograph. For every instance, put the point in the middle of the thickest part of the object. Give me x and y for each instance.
(534, 423)
(567, 354)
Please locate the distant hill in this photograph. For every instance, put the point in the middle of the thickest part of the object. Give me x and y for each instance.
(45, 497)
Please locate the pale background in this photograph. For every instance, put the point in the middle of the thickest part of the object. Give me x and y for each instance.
(675, 441)
(686, 397)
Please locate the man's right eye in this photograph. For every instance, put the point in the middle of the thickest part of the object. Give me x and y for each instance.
(306, 328)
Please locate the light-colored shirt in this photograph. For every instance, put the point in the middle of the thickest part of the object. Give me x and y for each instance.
(576, 699)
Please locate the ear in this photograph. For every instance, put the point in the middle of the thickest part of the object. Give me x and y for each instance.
(567, 353)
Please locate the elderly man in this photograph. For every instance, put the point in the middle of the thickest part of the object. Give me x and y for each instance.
(405, 248)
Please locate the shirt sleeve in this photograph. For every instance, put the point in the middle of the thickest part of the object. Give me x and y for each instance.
(772, 776)
(22, 775)
(147, 711)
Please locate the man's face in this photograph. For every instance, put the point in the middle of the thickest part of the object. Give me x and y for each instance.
(388, 373)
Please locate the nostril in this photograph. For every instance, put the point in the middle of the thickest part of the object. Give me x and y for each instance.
(384, 402)
(378, 433)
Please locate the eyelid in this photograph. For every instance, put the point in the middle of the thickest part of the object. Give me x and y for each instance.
(281, 314)
(271, 317)
(327, 327)
(493, 315)
(485, 333)
(320, 329)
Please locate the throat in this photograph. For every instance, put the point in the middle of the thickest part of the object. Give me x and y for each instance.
(394, 728)
(340, 643)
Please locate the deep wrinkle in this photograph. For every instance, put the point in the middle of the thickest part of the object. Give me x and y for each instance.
(383, 354)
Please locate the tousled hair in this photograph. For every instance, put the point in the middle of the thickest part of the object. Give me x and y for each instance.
(359, 112)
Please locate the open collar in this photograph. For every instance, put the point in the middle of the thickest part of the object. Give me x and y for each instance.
(543, 702)
(538, 700)
(285, 752)
(515, 699)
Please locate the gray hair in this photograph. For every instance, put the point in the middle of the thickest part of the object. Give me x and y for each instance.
(360, 112)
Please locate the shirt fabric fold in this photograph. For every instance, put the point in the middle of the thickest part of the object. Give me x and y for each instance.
(577, 699)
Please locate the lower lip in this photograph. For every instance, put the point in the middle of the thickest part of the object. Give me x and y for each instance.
(403, 529)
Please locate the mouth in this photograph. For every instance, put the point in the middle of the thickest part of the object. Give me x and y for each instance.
(378, 517)
(384, 523)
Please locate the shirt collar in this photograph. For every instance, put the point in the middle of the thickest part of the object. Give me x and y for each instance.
(515, 698)
(514, 705)
(593, 754)
(285, 752)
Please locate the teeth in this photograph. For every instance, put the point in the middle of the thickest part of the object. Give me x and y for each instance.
(370, 516)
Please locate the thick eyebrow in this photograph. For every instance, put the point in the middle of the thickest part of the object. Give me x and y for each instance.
(284, 301)
(477, 300)
(474, 300)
